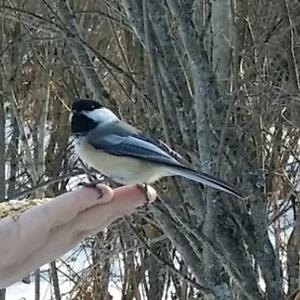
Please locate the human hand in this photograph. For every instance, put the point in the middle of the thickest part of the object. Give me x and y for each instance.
(43, 233)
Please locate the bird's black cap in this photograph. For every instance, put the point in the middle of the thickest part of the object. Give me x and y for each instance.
(85, 105)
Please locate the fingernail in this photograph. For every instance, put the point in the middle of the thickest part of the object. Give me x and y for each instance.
(151, 193)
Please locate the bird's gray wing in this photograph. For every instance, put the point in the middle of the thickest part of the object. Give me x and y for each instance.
(122, 139)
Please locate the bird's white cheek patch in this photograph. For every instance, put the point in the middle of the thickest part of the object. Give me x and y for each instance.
(101, 115)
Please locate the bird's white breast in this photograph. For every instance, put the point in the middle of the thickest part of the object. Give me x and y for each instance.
(125, 170)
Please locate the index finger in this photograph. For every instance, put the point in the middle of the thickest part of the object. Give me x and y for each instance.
(64, 208)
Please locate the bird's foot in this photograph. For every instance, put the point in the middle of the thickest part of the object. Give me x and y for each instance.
(144, 189)
(93, 185)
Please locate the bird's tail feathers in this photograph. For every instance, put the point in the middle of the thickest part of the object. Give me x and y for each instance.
(207, 180)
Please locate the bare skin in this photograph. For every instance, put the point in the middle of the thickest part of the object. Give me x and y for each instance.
(43, 233)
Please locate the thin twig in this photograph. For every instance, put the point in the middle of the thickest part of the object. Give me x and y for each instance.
(44, 184)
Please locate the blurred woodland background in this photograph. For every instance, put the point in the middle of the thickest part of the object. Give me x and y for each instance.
(218, 80)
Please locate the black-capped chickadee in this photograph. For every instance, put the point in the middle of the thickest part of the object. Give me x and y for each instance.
(126, 154)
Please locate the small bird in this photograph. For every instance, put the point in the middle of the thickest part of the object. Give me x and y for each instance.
(126, 154)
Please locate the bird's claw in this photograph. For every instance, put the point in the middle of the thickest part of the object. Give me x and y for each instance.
(144, 189)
